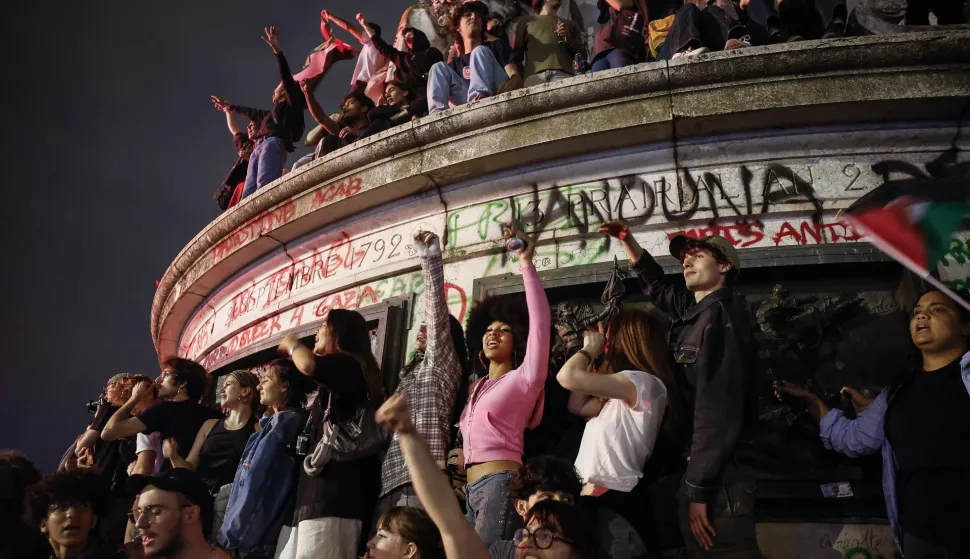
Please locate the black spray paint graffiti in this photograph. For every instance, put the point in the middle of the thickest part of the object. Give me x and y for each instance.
(582, 209)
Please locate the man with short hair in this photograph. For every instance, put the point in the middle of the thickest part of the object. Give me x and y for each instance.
(540, 479)
(351, 125)
(173, 515)
(711, 340)
(178, 415)
(278, 128)
(65, 507)
(547, 44)
(482, 69)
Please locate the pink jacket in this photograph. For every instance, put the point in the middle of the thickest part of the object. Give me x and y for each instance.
(498, 412)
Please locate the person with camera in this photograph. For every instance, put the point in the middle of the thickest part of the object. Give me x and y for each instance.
(263, 488)
(338, 485)
(178, 415)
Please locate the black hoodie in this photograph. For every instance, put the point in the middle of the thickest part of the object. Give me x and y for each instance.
(413, 66)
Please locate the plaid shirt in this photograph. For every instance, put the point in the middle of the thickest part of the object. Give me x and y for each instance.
(432, 385)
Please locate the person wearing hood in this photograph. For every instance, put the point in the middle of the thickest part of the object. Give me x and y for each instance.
(411, 65)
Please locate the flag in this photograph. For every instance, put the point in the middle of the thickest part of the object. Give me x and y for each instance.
(913, 221)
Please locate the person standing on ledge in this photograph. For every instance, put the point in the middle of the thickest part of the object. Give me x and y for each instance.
(278, 128)
(711, 340)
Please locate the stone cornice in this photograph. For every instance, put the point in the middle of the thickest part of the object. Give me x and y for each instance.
(863, 79)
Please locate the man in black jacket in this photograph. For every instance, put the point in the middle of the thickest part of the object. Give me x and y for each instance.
(711, 340)
(278, 128)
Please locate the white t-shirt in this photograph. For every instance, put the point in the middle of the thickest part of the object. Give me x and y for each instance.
(145, 442)
(618, 441)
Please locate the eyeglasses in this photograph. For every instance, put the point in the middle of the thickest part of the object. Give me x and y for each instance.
(543, 537)
(152, 512)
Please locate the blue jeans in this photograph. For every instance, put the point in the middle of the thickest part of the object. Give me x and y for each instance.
(490, 508)
(445, 84)
(616, 58)
(265, 164)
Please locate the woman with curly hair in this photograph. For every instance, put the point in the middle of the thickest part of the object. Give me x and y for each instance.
(65, 507)
(508, 399)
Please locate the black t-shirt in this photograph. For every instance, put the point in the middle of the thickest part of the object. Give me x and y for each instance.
(343, 489)
(178, 420)
(500, 48)
(928, 425)
(221, 452)
(112, 457)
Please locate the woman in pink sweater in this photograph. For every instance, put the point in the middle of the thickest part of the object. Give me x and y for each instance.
(515, 354)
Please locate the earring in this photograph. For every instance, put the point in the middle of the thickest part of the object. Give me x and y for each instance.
(515, 357)
(482, 359)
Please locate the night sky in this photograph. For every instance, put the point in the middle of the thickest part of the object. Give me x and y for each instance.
(111, 156)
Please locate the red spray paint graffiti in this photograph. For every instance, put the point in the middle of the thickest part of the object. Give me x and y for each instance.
(254, 229)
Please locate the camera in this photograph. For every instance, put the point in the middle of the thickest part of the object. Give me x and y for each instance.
(93, 405)
(303, 444)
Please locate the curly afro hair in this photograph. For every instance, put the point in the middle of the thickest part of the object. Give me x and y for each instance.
(66, 488)
(510, 309)
(545, 473)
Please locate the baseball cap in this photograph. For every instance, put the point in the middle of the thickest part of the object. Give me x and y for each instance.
(715, 242)
(178, 480)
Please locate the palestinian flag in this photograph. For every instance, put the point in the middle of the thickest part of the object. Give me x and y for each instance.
(912, 221)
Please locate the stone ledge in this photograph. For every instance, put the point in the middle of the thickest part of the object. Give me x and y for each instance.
(847, 80)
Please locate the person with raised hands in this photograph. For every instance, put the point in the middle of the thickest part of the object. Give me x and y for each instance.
(626, 402)
(508, 398)
(431, 385)
(553, 529)
(710, 336)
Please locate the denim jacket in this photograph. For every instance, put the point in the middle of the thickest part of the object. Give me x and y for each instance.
(262, 497)
(867, 434)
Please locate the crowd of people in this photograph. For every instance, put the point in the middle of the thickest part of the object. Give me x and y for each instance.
(392, 85)
(316, 457)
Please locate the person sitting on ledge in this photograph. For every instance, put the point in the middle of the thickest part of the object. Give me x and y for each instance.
(351, 125)
(696, 31)
(279, 127)
(400, 105)
(795, 20)
(368, 77)
(412, 65)
(483, 68)
(547, 44)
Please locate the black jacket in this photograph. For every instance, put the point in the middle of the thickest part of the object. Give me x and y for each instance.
(285, 119)
(412, 67)
(713, 352)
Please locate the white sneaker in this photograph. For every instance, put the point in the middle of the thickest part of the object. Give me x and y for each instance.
(691, 52)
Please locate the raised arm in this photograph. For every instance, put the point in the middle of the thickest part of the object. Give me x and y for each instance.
(231, 123)
(121, 424)
(317, 112)
(536, 359)
(431, 485)
(440, 347)
(669, 298)
(577, 377)
(357, 32)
